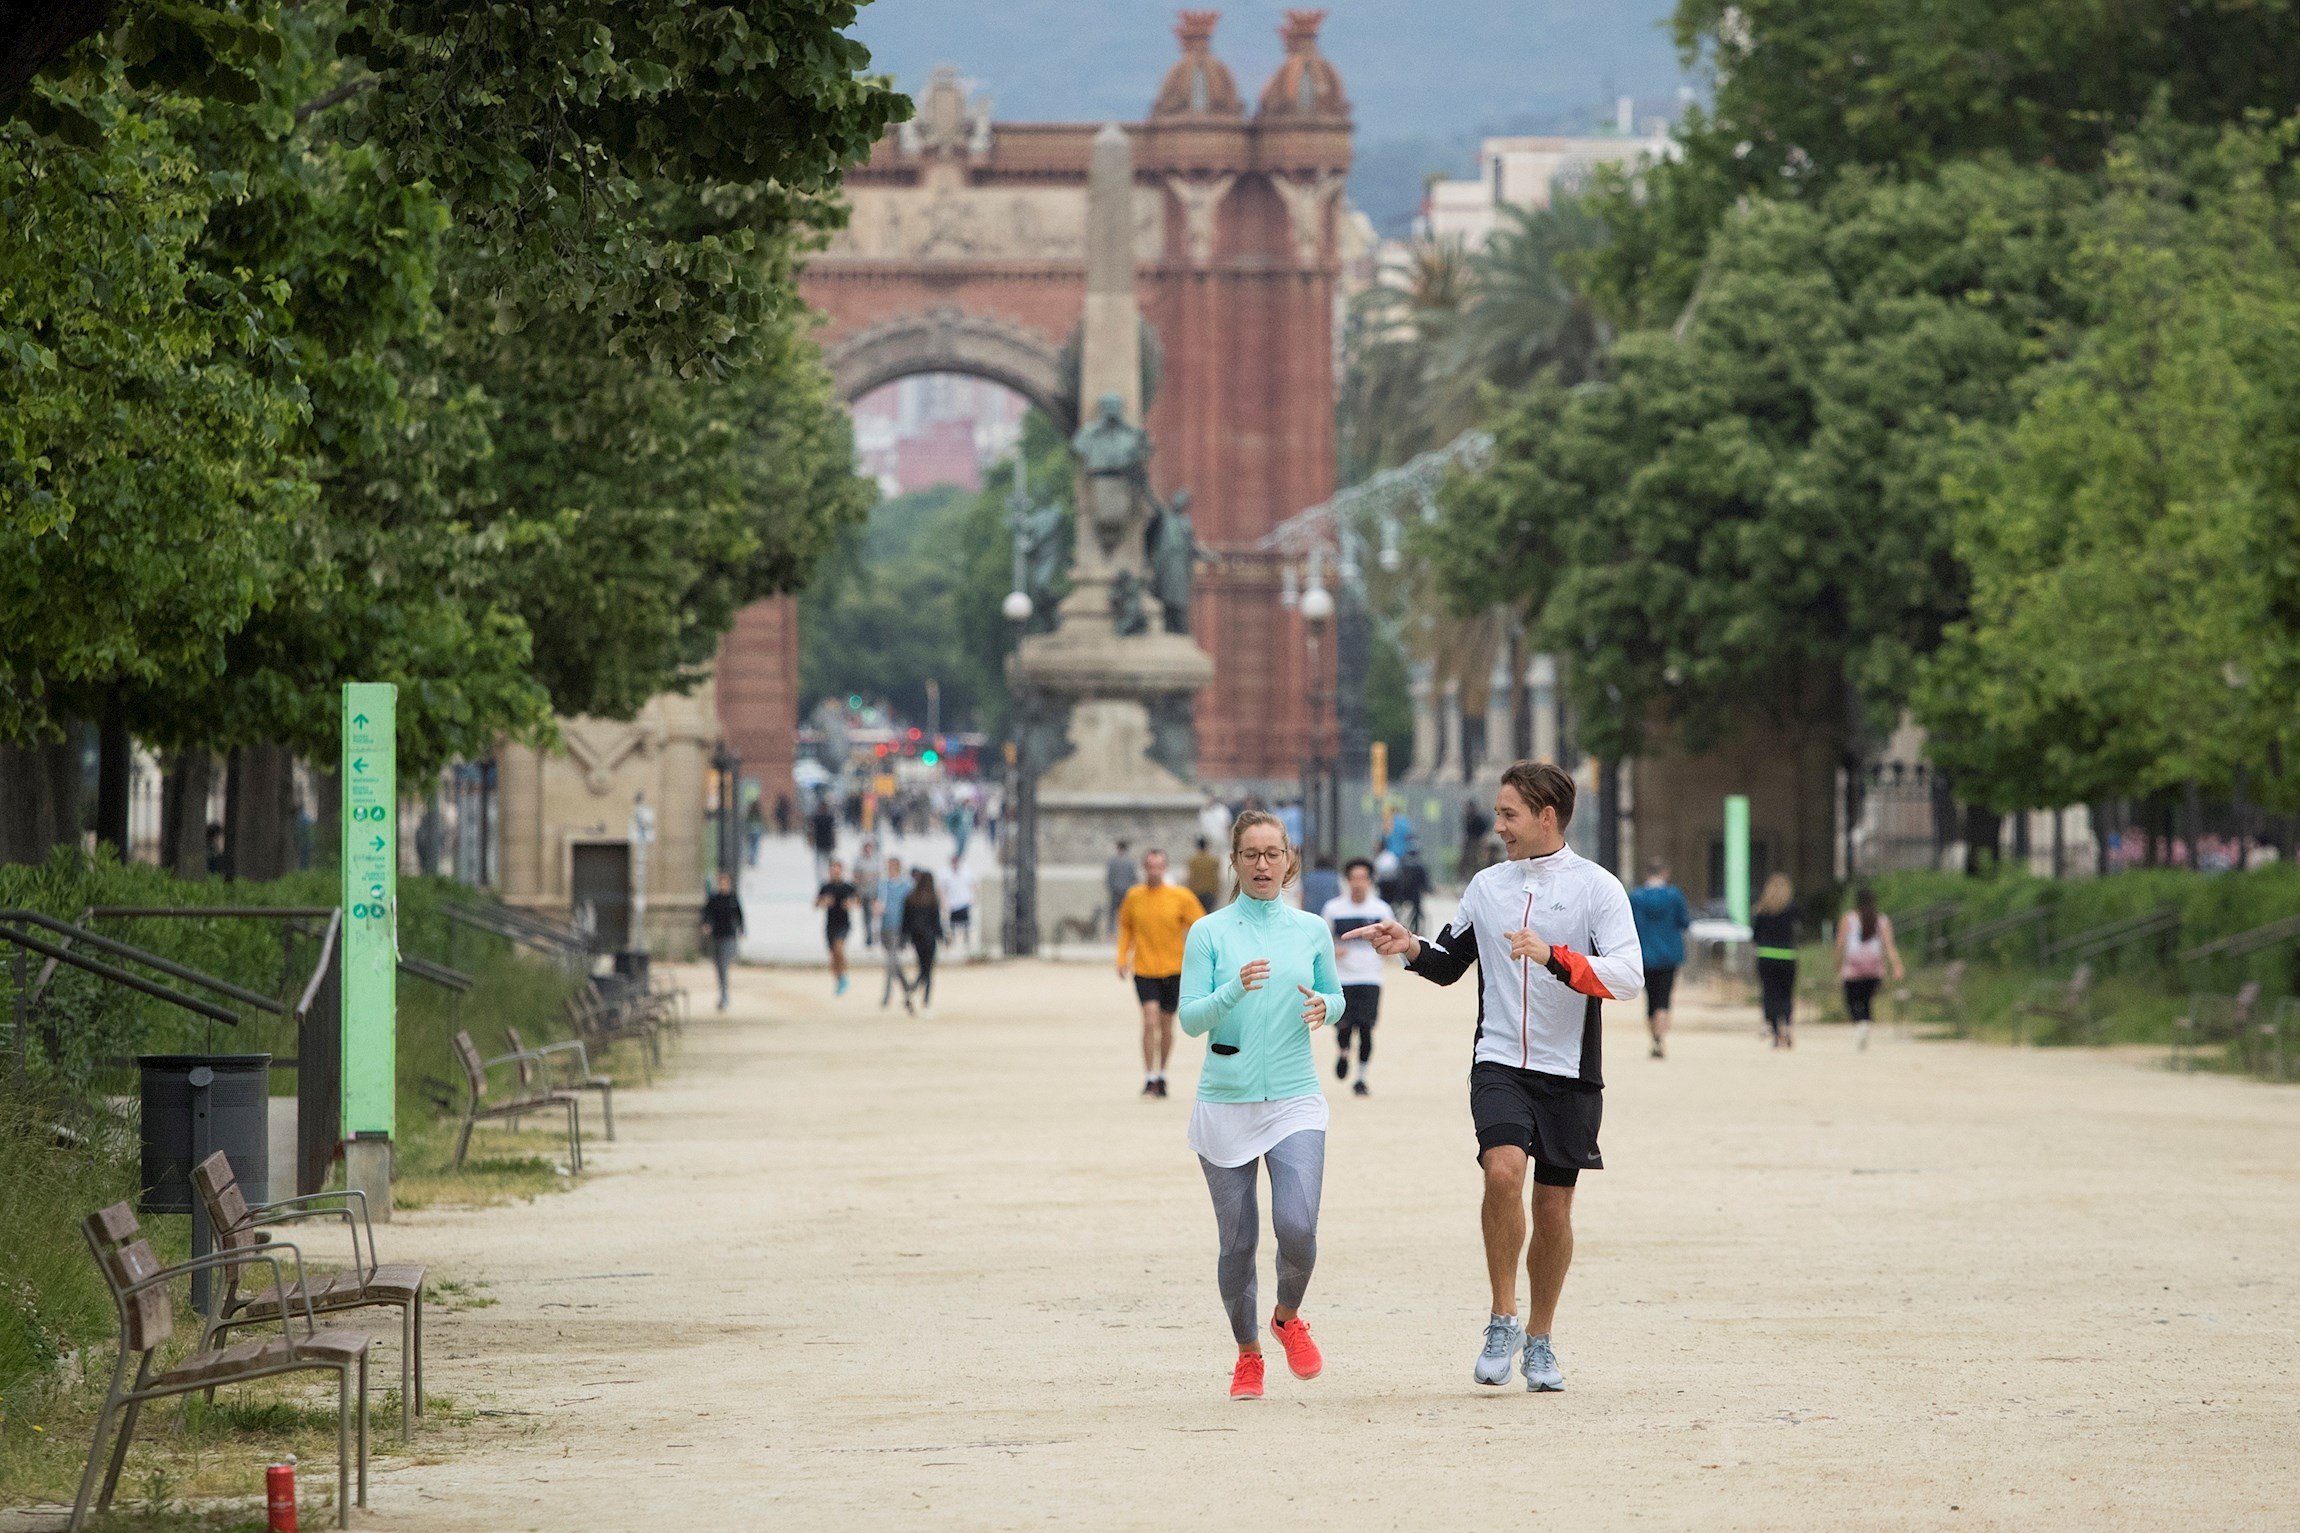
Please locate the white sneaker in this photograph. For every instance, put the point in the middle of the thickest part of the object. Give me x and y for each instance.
(1504, 1336)
(1541, 1371)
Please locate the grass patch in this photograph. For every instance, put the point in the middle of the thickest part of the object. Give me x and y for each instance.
(67, 1149)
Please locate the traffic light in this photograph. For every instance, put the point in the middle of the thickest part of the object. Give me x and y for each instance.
(930, 756)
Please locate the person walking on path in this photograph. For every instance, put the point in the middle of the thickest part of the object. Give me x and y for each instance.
(1205, 875)
(887, 900)
(1153, 920)
(1117, 878)
(722, 922)
(958, 895)
(1662, 918)
(922, 929)
(1553, 938)
(823, 829)
(1773, 932)
(1865, 948)
(1359, 966)
(1257, 979)
(836, 900)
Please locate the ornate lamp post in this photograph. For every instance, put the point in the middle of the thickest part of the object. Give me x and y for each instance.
(1019, 855)
(1319, 799)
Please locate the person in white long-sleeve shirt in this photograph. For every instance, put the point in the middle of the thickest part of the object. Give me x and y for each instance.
(1553, 939)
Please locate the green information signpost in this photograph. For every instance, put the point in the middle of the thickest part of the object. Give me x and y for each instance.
(370, 866)
(1737, 858)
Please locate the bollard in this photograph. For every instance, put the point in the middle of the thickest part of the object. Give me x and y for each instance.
(279, 1496)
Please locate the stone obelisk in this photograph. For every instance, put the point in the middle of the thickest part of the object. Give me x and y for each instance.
(1100, 675)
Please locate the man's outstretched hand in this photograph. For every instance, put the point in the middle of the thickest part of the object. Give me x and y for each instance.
(1388, 938)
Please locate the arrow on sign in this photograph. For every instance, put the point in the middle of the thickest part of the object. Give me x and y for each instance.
(359, 719)
(359, 763)
(379, 843)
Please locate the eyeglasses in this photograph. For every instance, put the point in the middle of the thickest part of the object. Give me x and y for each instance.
(1262, 858)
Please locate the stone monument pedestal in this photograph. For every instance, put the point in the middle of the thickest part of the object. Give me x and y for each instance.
(1110, 787)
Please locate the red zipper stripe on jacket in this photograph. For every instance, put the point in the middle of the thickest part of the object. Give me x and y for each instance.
(1524, 995)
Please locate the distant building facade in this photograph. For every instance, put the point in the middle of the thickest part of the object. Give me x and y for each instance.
(1527, 171)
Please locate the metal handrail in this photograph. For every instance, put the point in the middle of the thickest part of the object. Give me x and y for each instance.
(2238, 944)
(1989, 931)
(117, 975)
(436, 973)
(148, 959)
(2094, 941)
(495, 923)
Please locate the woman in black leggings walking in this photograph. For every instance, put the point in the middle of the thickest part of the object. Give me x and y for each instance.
(922, 926)
(1773, 932)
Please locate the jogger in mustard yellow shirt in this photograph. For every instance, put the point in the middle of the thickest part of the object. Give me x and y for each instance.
(1153, 923)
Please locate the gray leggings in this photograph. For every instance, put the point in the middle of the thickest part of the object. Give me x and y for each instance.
(1297, 1175)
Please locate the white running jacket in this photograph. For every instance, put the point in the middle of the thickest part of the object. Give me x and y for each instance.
(1541, 1018)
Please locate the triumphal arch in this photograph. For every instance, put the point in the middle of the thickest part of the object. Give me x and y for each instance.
(966, 253)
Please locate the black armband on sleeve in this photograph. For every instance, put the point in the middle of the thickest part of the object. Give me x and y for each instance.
(1447, 956)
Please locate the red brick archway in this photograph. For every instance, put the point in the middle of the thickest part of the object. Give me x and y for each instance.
(965, 252)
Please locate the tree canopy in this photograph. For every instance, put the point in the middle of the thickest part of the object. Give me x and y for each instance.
(409, 343)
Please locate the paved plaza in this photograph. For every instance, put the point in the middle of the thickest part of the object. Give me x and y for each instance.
(846, 1269)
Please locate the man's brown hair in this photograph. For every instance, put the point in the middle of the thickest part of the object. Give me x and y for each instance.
(1542, 786)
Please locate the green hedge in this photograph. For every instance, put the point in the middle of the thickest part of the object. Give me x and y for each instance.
(2212, 905)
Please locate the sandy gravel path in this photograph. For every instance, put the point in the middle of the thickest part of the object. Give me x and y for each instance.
(850, 1271)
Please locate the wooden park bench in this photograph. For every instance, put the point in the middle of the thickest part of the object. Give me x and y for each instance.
(139, 1286)
(535, 1070)
(369, 1283)
(602, 1025)
(1946, 996)
(2215, 1019)
(477, 1108)
(2068, 1002)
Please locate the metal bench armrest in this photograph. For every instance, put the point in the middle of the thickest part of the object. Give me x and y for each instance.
(365, 1218)
(232, 1258)
(265, 1217)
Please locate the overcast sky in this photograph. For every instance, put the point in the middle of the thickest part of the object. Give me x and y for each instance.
(1413, 68)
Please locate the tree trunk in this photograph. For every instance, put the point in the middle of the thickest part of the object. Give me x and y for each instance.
(115, 768)
(327, 816)
(259, 818)
(184, 788)
(1982, 832)
(39, 799)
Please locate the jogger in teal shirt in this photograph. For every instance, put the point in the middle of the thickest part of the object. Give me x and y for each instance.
(1261, 1049)
(1257, 979)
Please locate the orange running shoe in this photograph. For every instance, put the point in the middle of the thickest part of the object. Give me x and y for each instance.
(1301, 1353)
(1246, 1382)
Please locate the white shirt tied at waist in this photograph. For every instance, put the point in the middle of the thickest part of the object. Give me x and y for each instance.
(1541, 1017)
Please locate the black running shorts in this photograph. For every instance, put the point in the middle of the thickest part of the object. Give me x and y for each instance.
(1361, 1007)
(1165, 989)
(1553, 1118)
(1658, 984)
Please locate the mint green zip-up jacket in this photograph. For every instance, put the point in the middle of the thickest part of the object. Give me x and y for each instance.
(1264, 1025)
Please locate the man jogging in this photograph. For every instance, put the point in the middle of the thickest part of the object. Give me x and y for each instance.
(1552, 936)
(1662, 917)
(836, 900)
(1154, 921)
(1359, 966)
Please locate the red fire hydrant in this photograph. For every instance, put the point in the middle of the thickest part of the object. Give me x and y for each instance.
(279, 1496)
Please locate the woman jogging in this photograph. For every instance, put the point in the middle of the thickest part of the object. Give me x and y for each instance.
(833, 899)
(1774, 934)
(1865, 947)
(922, 928)
(1257, 979)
